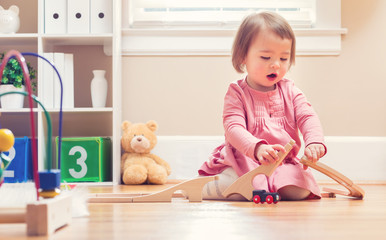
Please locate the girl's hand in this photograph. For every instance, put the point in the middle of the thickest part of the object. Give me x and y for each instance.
(267, 154)
(313, 152)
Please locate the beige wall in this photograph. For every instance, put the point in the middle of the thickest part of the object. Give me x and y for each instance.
(185, 94)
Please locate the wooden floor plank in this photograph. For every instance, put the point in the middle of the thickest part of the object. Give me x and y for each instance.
(328, 218)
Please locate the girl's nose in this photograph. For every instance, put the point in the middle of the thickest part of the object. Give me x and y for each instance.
(275, 65)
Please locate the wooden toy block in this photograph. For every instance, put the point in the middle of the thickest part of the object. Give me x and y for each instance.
(354, 190)
(20, 168)
(243, 185)
(192, 190)
(85, 159)
(42, 217)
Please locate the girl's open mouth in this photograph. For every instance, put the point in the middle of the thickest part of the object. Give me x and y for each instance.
(272, 76)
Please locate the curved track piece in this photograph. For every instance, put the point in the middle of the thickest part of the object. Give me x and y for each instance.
(354, 190)
(191, 188)
(243, 185)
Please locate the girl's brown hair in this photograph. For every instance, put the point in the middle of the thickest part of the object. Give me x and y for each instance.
(250, 28)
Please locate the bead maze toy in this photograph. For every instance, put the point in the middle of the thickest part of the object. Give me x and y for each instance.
(43, 216)
(354, 190)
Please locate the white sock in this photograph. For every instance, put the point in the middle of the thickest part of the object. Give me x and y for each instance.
(213, 190)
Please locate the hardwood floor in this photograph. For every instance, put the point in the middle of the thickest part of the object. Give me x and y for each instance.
(328, 218)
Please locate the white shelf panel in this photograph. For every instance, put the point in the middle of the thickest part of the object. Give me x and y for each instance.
(22, 110)
(72, 110)
(83, 39)
(83, 110)
(19, 39)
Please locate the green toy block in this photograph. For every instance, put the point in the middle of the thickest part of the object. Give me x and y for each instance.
(85, 159)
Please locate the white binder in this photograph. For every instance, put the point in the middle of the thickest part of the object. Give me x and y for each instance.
(101, 16)
(48, 82)
(78, 18)
(55, 16)
(68, 81)
(59, 64)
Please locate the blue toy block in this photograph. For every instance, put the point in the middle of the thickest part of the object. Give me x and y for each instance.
(49, 179)
(20, 168)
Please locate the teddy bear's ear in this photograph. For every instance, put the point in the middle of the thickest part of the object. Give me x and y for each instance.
(152, 125)
(126, 125)
(15, 9)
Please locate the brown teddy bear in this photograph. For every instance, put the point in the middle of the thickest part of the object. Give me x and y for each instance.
(138, 165)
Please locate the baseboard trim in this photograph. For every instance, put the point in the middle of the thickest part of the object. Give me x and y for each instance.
(362, 159)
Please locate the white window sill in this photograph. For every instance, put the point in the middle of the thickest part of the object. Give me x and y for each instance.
(219, 42)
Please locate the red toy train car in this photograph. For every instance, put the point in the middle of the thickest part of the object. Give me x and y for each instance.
(261, 196)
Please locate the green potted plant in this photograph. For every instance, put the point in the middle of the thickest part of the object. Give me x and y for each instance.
(13, 80)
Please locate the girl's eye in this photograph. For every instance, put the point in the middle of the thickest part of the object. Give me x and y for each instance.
(265, 58)
(283, 59)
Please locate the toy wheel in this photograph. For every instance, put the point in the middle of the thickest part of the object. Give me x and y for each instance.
(256, 199)
(269, 199)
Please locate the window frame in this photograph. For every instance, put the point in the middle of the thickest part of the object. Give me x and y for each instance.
(324, 38)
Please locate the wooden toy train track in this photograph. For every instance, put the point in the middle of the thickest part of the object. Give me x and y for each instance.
(192, 189)
(354, 190)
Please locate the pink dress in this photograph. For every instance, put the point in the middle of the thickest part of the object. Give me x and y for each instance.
(273, 117)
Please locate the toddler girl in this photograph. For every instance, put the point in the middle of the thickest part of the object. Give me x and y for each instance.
(262, 112)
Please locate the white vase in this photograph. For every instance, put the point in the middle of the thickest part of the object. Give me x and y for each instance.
(11, 101)
(99, 89)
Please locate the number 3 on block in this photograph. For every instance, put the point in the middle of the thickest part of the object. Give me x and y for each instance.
(80, 161)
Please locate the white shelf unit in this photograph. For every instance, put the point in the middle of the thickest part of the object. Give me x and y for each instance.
(91, 51)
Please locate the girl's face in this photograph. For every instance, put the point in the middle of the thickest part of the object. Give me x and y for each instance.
(267, 60)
